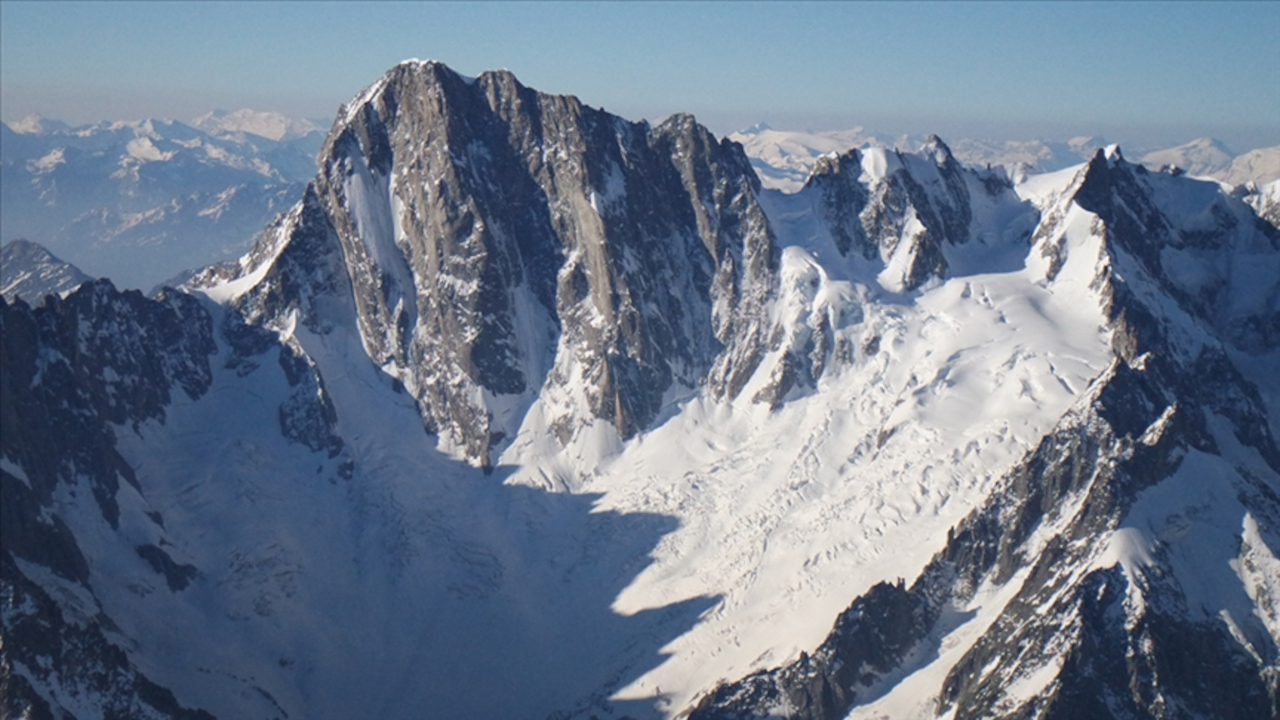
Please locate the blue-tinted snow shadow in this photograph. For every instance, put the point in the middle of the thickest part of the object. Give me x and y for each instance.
(447, 591)
(528, 629)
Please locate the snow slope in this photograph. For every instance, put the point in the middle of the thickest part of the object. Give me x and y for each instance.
(1260, 166)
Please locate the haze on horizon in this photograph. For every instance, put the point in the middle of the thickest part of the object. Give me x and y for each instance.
(1158, 73)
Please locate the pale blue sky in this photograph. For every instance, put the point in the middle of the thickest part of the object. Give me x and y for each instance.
(1143, 71)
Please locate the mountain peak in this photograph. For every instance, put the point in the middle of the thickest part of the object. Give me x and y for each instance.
(1204, 156)
(1210, 143)
(29, 271)
(937, 149)
(423, 79)
(36, 124)
(269, 124)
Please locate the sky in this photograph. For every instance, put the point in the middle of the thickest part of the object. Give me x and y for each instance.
(1150, 72)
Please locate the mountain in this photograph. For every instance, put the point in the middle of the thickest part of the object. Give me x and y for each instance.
(30, 272)
(37, 124)
(1126, 566)
(271, 125)
(1261, 166)
(525, 410)
(1204, 157)
(530, 273)
(784, 159)
(103, 195)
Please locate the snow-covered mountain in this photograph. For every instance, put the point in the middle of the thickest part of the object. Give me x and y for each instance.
(141, 201)
(1124, 567)
(270, 125)
(784, 159)
(1039, 156)
(1261, 167)
(1203, 157)
(525, 410)
(30, 272)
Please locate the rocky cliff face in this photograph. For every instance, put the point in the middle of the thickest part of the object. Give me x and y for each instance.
(73, 369)
(79, 372)
(504, 246)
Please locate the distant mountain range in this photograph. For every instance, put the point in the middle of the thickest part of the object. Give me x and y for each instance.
(142, 201)
(270, 125)
(784, 158)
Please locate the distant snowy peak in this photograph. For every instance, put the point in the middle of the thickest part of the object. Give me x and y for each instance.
(1203, 157)
(1259, 166)
(265, 124)
(270, 125)
(36, 124)
(784, 159)
(1033, 155)
(1210, 158)
(30, 272)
